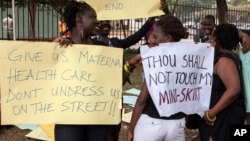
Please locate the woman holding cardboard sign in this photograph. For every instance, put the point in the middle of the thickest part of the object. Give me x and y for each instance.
(81, 21)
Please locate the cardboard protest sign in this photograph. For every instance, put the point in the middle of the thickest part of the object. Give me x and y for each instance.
(245, 58)
(42, 83)
(48, 129)
(125, 9)
(179, 76)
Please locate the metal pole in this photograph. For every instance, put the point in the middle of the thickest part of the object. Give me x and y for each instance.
(13, 15)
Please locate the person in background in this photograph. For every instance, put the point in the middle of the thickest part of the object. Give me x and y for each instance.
(105, 28)
(8, 26)
(103, 36)
(245, 40)
(81, 21)
(246, 31)
(145, 114)
(227, 106)
(62, 27)
(150, 42)
(207, 27)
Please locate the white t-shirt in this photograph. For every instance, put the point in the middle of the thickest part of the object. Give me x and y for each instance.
(8, 23)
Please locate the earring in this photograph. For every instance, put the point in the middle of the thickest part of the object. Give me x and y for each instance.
(82, 34)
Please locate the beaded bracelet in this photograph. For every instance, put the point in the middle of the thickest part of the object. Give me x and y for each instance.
(208, 118)
(128, 68)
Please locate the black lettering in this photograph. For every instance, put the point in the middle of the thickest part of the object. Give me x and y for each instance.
(208, 78)
(160, 77)
(194, 61)
(100, 60)
(41, 107)
(68, 91)
(18, 110)
(29, 94)
(14, 55)
(83, 107)
(62, 56)
(114, 6)
(25, 75)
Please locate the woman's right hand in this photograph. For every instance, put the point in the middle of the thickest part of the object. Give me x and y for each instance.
(64, 42)
(246, 43)
(130, 135)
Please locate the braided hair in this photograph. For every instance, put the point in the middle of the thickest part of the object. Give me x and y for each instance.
(172, 25)
(227, 36)
(71, 10)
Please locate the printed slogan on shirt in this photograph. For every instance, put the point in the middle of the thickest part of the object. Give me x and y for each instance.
(179, 76)
(42, 83)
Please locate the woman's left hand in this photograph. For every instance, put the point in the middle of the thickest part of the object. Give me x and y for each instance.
(246, 43)
(136, 59)
(130, 135)
(209, 119)
(211, 123)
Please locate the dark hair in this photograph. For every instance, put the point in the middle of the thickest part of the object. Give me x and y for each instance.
(210, 17)
(71, 10)
(227, 36)
(105, 21)
(172, 25)
(9, 15)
